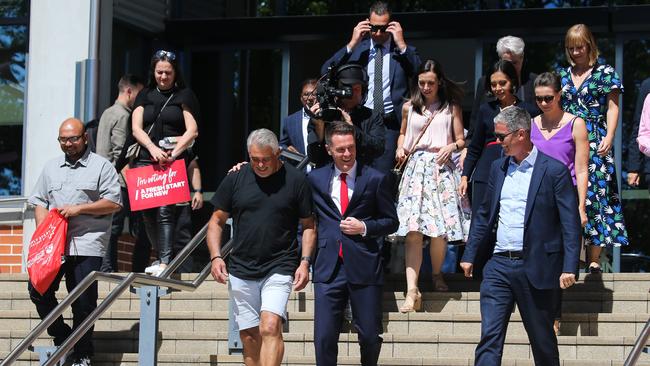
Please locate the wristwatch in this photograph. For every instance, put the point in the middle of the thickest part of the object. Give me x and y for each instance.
(306, 258)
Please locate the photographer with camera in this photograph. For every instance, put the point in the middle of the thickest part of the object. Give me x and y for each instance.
(378, 44)
(339, 99)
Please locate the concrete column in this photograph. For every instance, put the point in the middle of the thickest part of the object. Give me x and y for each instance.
(58, 37)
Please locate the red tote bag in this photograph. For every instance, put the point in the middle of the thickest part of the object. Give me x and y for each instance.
(45, 251)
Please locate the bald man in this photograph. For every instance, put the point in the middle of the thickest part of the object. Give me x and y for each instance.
(84, 188)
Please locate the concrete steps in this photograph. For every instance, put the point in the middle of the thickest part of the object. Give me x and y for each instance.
(603, 315)
(395, 346)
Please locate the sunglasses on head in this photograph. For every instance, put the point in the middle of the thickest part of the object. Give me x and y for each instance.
(377, 28)
(544, 98)
(171, 56)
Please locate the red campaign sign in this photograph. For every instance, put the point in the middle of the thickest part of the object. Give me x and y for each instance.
(153, 186)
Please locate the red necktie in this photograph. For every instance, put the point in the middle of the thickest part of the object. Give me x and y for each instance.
(344, 204)
(344, 193)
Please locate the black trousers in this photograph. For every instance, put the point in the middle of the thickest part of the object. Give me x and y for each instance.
(159, 223)
(75, 269)
(109, 263)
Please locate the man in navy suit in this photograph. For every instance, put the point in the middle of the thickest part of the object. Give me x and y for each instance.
(294, 126)
(379, 41)
(526, 235)
(355, 209)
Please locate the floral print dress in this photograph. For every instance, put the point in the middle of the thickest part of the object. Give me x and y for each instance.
(605, 224)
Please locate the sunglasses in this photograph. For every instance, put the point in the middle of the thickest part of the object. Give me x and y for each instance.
(377, 28)
(502, 136)
(544, 98)
(72, 139)
(171, 56)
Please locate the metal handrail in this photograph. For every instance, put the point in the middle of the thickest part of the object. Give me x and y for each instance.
(639, 345)
(13, 199)
(124, 283)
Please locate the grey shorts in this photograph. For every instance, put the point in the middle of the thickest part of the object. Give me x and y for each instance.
(251, 297)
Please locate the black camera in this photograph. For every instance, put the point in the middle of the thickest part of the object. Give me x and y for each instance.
(337, 85)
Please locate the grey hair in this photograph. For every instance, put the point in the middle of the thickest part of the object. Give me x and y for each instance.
(263, 138)
(514, 45)
(514, 118)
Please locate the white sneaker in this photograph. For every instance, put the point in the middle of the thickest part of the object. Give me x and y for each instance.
(154, 270)
(81, 361)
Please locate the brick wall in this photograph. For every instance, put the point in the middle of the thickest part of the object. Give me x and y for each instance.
(11, 248)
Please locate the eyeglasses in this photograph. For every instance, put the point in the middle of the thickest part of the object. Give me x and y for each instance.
(376, 28)
(171, 56)
(502, 136)
(71, 139)
(544, 98)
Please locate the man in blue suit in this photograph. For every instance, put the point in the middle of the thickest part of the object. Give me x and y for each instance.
(293, 136)
(355, 209)
(526, 235)
(378, 43)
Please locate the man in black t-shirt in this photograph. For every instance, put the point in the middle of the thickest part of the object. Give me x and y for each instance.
(266, 200)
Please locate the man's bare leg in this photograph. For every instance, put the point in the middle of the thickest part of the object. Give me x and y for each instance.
(272, 343)
(252, 342)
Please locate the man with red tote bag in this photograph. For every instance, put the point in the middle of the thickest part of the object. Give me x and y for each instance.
(84, 188)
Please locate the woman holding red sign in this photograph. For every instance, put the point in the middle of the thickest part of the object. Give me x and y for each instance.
(164, 122)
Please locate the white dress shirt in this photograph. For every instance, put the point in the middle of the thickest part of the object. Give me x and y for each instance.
(385, 76)
(305, 122)
(335, 184)
(335, 189)
(512, 211)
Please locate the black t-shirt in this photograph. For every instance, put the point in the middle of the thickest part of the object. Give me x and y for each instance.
(265, 213)
(171, 121)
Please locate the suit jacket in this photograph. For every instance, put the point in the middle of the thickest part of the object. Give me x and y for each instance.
(403, 67)
(372, 203)
(291, 134)
(552, 229)
(479, 156)
(525, 93)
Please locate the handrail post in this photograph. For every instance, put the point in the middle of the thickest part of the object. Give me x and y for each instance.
(149, 316)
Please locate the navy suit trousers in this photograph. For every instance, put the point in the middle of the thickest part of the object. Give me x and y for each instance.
(330, 301)
(504, 284)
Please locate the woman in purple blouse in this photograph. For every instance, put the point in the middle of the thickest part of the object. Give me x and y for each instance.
(562, 136)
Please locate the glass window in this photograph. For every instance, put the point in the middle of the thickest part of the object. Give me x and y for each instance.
(636, 202)
(13, 8)
(13, 42)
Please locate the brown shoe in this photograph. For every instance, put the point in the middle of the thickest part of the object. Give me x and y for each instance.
(439, 283)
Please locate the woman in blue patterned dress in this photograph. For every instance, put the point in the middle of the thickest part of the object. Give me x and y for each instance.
(590, 90)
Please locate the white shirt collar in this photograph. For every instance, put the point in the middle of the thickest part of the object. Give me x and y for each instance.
(385, 45)
(352, 173)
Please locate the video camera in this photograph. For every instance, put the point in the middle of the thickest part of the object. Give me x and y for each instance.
(335, 85)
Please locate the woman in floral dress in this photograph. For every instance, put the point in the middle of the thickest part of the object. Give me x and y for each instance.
(428, 202)
(590, 90)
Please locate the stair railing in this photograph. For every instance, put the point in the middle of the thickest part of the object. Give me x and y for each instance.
(639, 346)
(150, 289)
